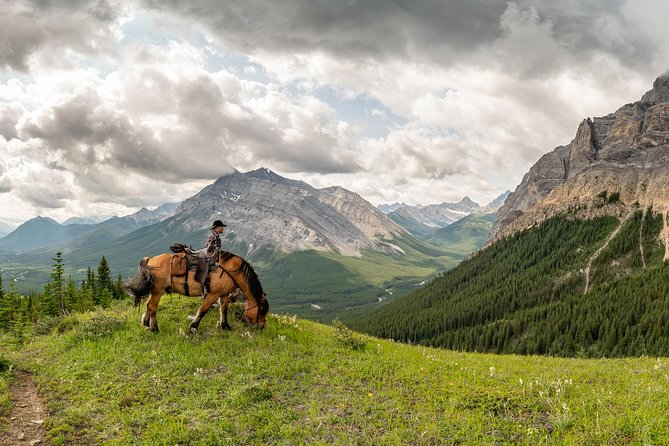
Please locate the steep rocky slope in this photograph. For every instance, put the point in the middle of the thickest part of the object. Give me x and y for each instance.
(625, 152)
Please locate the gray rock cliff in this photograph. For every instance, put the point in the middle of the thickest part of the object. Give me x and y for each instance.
(626, 152)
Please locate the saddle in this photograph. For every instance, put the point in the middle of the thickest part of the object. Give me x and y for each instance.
(186, 259)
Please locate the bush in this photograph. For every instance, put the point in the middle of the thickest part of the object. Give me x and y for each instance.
(46, 324)
(614, 197)
(346, 337)
(98, 325)
(4, 364)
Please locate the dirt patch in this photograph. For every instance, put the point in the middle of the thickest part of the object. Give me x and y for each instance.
(27, 416)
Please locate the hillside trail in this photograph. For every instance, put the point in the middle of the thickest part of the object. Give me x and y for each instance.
(27, 415)
(599, 251)
(665, 235)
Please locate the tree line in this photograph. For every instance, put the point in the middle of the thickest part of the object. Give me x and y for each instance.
(60, 296)
(525, 294)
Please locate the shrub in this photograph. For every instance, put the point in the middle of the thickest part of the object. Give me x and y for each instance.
(99, 325)
(46, 324)
(346, 337)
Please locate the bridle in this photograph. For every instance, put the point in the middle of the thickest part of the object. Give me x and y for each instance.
(257, 314)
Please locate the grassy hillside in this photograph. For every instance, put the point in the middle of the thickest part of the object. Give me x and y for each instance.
(108, 381)
(526, 294)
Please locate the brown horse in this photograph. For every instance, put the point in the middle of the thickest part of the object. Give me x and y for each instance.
(154, 277)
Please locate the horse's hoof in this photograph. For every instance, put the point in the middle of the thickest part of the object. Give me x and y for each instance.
(145, 320)
(193, 330)
(226, 327)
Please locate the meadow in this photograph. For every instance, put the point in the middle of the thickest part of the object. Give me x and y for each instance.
(105, 380)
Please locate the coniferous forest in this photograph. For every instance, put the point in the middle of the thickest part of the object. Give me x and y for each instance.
(20, 314)
(527, 294)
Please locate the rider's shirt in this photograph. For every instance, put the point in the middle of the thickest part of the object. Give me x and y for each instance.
(213, 242)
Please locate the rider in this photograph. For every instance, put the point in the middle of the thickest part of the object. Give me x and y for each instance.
(213, 243)
(211, 248)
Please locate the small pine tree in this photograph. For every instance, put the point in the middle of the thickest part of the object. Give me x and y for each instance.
(71, 295)
(85, 300)
(53, 302)
(105, 298)
(104, 275)
(3, 315)
(118, 288)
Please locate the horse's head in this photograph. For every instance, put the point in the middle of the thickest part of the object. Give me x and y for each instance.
(256, 314)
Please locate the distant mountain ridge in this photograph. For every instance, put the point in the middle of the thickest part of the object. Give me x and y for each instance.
(425, 219)
(43, 232)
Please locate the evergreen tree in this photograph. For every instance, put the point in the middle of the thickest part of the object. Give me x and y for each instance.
(53, 302)
(71, 295)
(9, 309)
(105, 298)
(117, 290)
(85, 300)
(5, 308)
(104, 279)
(91, 283)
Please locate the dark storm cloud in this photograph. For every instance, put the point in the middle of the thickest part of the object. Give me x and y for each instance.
(30, 26)
(437, 31)
(374, 28)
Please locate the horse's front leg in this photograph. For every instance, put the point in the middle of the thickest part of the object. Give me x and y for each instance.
(225, 301)
(150, 316)
(207, 302)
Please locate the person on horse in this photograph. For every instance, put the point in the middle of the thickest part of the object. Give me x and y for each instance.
(211, 249)
(213, 243)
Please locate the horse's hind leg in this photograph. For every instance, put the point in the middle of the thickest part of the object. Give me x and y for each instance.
(208, 301)
(150, 316)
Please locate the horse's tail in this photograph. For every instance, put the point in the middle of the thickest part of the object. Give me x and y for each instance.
(140, 285)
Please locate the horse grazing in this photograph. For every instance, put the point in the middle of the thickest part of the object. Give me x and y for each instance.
(155, 275)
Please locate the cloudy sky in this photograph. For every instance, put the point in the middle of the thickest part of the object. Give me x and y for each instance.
(107, 106)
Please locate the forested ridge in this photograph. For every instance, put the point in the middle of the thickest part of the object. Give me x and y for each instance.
(526, 294)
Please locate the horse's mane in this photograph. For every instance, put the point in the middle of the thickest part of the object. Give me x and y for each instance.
(251, 278)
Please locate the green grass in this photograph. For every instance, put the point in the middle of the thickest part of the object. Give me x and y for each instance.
(108, 381)
(5, 402)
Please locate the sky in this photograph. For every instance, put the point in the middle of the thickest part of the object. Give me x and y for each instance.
(108, 106)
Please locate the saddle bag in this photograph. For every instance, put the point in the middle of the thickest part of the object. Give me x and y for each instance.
(179, 264)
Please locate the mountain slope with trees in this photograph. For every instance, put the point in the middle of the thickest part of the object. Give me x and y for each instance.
(525, 294)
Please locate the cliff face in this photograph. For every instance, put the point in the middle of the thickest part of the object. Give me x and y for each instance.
(262, 208)
(625, 152)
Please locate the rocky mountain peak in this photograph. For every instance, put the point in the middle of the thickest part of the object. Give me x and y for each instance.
(264, 209)
(625, 152)
(659, 93)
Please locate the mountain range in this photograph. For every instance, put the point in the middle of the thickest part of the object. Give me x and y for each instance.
(43, 232)
(424, 220)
